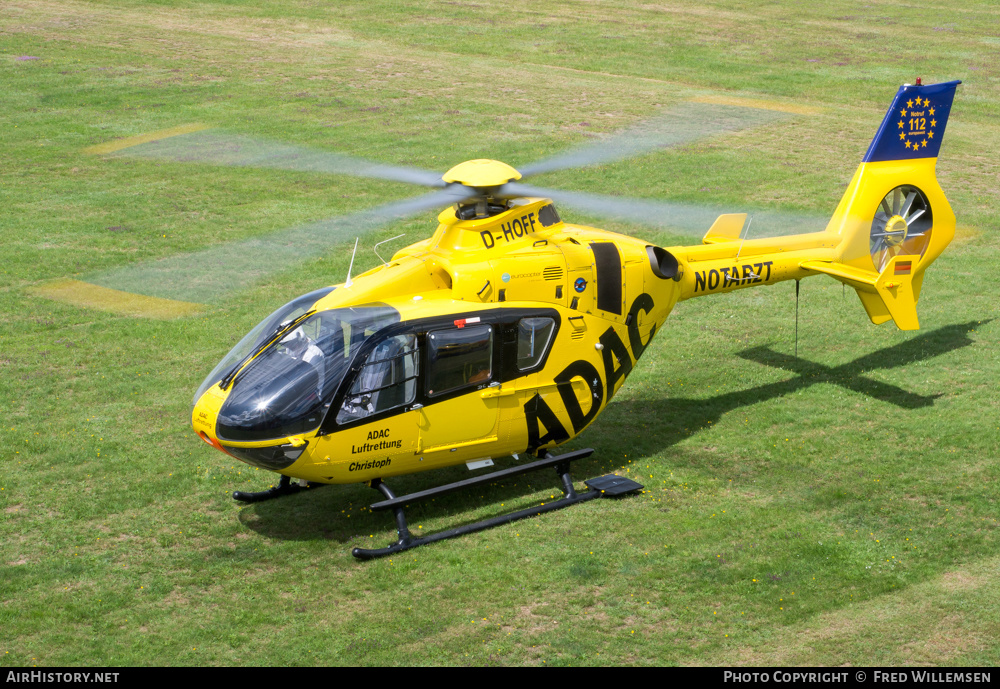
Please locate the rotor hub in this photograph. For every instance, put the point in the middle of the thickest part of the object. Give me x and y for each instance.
(481, 174)
(895, 230)
(902, 223)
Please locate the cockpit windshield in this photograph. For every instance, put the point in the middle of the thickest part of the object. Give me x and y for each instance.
(287, 388)
(259, 335)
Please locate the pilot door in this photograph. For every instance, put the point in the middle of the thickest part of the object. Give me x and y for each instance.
(459, 412)
(376, 422)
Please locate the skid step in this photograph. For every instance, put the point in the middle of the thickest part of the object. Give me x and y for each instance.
(612, 485)
(603, 486)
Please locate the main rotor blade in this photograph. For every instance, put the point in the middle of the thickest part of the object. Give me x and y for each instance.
(206, 276)
(679, 125)
(222, 148)
(675, 216)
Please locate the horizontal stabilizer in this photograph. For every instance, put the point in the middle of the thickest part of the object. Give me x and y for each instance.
(885, 295)
(726, 228)
(855, 277)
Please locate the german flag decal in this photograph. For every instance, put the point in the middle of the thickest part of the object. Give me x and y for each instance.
(903, 267)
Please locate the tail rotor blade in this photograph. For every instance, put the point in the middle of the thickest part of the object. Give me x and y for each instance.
(910, 198)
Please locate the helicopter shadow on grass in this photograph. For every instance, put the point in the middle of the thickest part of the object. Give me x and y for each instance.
(668, 421)
(336, 512)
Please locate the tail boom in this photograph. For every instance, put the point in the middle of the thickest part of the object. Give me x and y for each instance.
(728, 266)
(891, 224)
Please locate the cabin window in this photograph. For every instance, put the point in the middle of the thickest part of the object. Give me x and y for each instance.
(458, 358)
(533, 338)
(387, 380)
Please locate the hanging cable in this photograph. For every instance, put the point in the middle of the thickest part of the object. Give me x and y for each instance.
(796, 318)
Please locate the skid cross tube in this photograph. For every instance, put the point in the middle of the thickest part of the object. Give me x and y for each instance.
(486, 478)
(604, 486)
(284, 487)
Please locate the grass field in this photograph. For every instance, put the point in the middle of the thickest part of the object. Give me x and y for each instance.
(834, 507)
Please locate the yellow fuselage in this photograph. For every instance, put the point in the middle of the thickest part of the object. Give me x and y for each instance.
(508, 331)
(499, 269)
(599, 298)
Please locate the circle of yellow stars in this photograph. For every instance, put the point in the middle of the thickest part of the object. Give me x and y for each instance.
(920, 103)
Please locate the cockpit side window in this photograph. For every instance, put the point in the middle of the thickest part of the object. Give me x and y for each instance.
(388, 379)
(533, 338)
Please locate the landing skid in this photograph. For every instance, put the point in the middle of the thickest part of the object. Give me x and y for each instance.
(604, 486)
(284, 487)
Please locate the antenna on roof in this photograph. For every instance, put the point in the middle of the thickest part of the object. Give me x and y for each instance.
(375, 248)
(351, 267)
(745, 235)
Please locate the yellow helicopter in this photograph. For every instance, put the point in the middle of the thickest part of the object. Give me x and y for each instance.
(509, 330)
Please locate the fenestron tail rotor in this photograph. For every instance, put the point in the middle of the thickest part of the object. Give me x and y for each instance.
(901, 226)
